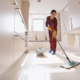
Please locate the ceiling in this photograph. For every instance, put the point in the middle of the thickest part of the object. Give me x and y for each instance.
(45, 6)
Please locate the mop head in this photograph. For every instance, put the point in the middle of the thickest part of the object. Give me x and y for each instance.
(70, 65)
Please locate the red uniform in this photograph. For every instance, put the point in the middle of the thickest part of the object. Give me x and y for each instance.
(53, 24)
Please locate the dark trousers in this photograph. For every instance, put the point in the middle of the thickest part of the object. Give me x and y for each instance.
(52, 41)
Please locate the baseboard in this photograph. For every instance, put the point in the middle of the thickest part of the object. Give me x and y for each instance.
(10, 68)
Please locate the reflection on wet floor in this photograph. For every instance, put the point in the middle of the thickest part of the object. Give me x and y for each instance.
(46, 67)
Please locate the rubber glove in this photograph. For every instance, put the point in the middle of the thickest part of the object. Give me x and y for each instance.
(49, 28)
(54, 34)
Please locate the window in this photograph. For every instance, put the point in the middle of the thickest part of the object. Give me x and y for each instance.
(38, 25)
(37, 22)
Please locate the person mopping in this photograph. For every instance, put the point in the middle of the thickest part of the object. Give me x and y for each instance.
(51, 24)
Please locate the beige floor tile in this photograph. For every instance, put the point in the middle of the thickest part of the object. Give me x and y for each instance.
(47, 67)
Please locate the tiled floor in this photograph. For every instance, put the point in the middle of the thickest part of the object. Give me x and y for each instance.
(47, 67)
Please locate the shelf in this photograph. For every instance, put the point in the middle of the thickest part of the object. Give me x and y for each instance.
(19, 11)
(18, 35)
(75, 31)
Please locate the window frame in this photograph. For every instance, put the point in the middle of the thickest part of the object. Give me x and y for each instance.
(32, 19)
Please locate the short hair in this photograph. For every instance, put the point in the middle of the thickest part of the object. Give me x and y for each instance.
(53, 11)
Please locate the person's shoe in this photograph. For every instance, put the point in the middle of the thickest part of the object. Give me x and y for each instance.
(53, 53)
(50, 51)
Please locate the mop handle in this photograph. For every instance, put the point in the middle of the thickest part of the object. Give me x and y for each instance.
(63, 51)
(60, 45)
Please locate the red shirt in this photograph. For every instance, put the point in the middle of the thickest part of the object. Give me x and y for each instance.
(51, 23)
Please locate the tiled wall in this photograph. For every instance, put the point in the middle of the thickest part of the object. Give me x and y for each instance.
(66, 16)
(74, 12)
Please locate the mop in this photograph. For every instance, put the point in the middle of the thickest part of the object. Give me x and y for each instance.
(70, 63)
